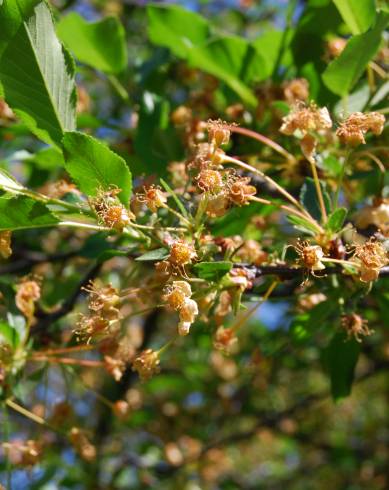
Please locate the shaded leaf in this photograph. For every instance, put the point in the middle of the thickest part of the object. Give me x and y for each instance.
(225, 58)
(212, 271)
(101, 44)
(176, 28)
(12, 15)
(93, 166)
(8, 334)
(157, 254)
(37, 75)
(336, 219)
(340, 358)
(23, 212)
(308, 197)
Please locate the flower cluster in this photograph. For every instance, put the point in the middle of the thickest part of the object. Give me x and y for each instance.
(80, 441)
(28, 292)
(352, 131)
(104, 314)
(355, 326)
(178, 296)
(153, 197)
(310, 256)
(110, 211)
(372, 257)
(146, 364)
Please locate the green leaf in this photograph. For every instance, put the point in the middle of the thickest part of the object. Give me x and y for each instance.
(8, 183)
(156, 142)
(336, 219)
(359, 15)
(226, 58)
(8, 335)
(343, 73)
(309, 199)
(157, 254)
(12, 15)
(101, 44)
(38, 78)
(176, 28)
(47, 159)
(302, 224)
(212, 271)
(268, 46)
(22, 212)
(340, 358)
(93, 166)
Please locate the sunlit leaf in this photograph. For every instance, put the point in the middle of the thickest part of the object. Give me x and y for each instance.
(101, 44)
(37, 75)
(94, 167)
(176, 28)
(359, 15)
(343, 73)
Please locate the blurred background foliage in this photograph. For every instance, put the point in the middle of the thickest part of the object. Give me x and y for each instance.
(262, 417)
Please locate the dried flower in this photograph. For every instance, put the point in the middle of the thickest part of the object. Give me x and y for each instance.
(225, 339)
(224, 306)
(163, 269)
(355, 326)
(90, 327)
(5, 244)
(188, 311)
(306, 119)
(82, 445)
(210, 180)
(240, 191)
(217, 205)
(183, 328)
(218, 133)
(121, 409)
(6, 112)
(181, 253)
(177, 293)
(110, 211)
(146, 364)
(352, 131)
(103, 300)
(250, 251)
(310, 256)
(296, 90)
(115, 367)
(153, 197)
(24, 453)
(181, 116)
(373, 257)
(336, 46)
(83, 100)
(377, 214)
(28, 291)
